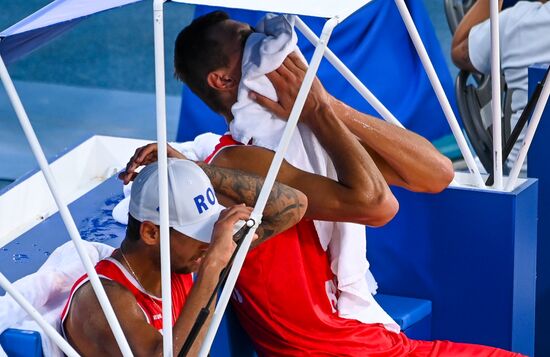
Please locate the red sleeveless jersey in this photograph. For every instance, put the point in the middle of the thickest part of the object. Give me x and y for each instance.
(285, 299)
(151, 306)
(286, 295)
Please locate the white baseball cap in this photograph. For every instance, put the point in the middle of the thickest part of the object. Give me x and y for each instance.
(192, 204)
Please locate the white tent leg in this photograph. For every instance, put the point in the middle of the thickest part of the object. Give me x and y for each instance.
(268, 184)
(531, 129)
(436, 84)
(349, 75)
(46, 327)
(163, 179)
(495, 86)
(64, 210)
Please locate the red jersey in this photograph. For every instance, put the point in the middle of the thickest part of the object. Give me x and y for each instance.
(151, 306)
(285, 299)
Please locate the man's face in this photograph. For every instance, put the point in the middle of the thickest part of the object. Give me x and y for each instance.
(185, 253)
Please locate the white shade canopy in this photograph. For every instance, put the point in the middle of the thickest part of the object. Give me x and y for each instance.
(61, 15)
(48, 23)
(61, 11)
(318, 8)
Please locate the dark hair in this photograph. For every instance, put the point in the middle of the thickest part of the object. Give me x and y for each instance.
(197, 53)
(132, 229)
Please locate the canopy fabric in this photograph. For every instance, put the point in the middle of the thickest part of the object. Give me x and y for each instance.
(48, 23)
(316, 8)
(59, 16)
(375, 45)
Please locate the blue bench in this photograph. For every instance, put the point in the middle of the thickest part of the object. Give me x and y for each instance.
(92, 216)
(21, 343)
(413, 315)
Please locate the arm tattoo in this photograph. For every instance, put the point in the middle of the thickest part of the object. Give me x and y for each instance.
(283, 209)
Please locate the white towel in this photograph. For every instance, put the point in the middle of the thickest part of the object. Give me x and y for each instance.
(196, 150)
(47, 291)
(264, 52)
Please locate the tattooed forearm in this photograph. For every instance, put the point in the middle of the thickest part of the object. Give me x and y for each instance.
(237, 185)
(285, 205)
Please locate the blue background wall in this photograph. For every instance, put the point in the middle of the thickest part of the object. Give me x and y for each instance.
(537, 166)
(472, 253)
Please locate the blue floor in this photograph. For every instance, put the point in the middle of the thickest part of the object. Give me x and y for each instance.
(99, 79)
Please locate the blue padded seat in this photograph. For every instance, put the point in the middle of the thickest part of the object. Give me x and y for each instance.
(404, 310)
(413, 315)
(21, 343)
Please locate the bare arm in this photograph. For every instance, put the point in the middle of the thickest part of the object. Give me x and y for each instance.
(285, 206)
(405, 158)
(216, 259)
(478, 13)
(88, 332)
(360, 195)
(87, 328)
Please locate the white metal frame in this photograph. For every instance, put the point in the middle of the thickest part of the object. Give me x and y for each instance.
(163, 178)
(440, 93)
(496, 95)
(529, 135)
(349, 75)
(321, 50)
(65, 215)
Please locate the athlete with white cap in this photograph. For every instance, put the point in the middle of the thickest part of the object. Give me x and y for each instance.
(201, 241)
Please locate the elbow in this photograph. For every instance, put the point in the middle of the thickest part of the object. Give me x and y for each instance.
(457, 56)
(381, 209)
(460, 56)
(455, 50)
(291, 213)
(302, 204)
(458, 44)
(443, 175)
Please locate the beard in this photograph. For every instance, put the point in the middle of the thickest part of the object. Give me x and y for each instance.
(184, 270)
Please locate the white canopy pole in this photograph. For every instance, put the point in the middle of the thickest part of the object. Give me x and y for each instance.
(531, 129)
(495, 87)
(63, 210)
(46, 327)
(163, 179)
(268, 184)
(441, 96)
(349, 75)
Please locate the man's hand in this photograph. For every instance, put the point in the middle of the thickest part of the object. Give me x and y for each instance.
(287, 80)
(144, 156)
(222, 245)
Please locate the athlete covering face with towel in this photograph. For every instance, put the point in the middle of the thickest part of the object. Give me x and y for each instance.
(201, 241)
(286, 296)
